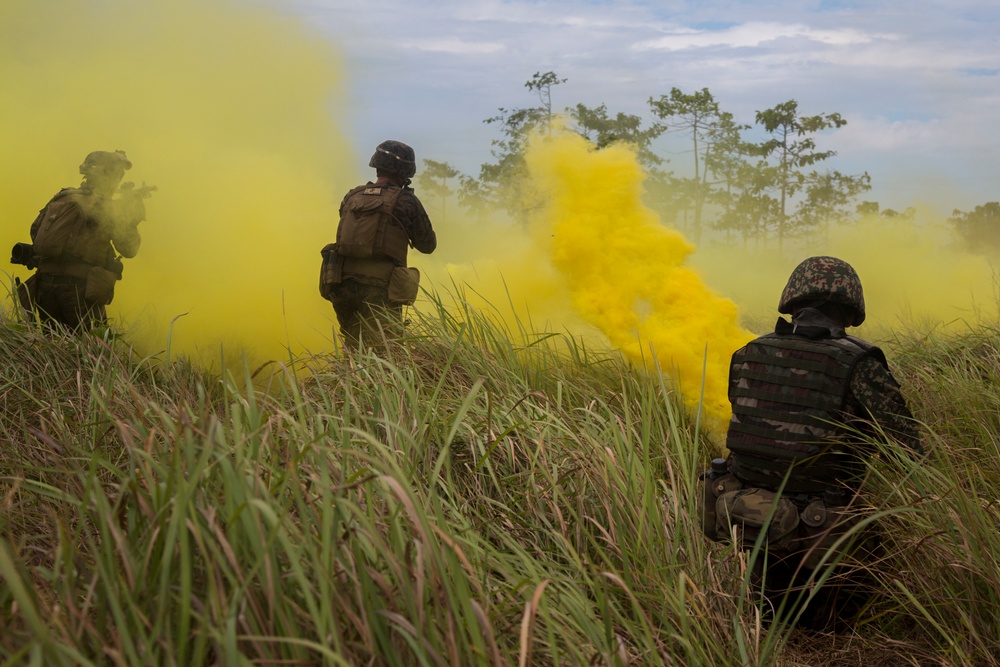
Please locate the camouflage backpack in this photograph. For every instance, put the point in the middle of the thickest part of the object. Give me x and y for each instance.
(368, 227)
(60, 223)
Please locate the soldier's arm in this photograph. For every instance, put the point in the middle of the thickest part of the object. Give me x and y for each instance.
(419, 228)
(878, 394)
(126, 214)
(127, 239)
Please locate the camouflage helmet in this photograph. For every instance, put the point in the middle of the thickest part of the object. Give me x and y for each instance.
(825, 279)
(105, 160)
(394, 157)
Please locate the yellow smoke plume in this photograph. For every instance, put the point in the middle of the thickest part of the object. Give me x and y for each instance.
(626, 273)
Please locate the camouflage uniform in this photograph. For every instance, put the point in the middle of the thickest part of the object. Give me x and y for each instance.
(361, 298)
(804, 398)
(76, 273)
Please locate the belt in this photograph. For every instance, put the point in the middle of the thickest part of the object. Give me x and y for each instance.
(50, 266)
(59, 279)
(380, 269)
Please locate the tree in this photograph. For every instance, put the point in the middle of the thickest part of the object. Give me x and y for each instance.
(871, 209)
(434, 179)
(504, 183)
(737, 180)
(698, 116)
(748, 208)
(827, 198)
(794, 148)
(603, 130)
(979, 228)
(867, 209)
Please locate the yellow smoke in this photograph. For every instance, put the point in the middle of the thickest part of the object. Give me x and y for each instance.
(914, 273)
(626, 273)
(229, 109)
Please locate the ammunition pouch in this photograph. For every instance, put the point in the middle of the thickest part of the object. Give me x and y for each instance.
(100, 287)
(821, 527)
(404, 285)
(811, 532)
(754, 511)
(331, 270)
(711, 489)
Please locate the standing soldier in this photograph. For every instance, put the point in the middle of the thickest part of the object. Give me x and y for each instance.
(78, 241)
(364, 273)
(805, 400)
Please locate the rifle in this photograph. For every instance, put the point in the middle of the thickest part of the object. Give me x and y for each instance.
(129, 190)
(129, 201)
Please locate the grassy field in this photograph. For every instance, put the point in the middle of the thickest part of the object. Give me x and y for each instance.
(454, 499)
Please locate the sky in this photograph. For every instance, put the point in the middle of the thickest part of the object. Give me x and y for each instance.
(917, 81)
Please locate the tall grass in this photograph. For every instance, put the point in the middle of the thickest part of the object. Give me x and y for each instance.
(457, 497)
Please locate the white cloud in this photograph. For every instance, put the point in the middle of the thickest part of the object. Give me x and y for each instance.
(455, 46)
(882, 134)
(913, 77)
(756, 34)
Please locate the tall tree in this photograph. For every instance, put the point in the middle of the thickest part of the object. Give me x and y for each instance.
(794, 149)
(603, 130)
(747, 207)
(504, 182)
(736, 181)
(697, 116)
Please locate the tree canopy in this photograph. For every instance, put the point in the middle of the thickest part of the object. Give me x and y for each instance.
(756, 182)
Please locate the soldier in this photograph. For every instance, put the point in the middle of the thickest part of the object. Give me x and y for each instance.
(364, 273)
(77, 239)
(805, 399)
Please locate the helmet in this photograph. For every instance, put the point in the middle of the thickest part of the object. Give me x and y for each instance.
(394, 157)
(105, 160)
(826, 279)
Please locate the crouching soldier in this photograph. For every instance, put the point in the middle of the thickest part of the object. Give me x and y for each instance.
(805, 399)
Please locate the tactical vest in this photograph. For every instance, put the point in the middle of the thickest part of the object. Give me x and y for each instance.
(788, 395)
(74, 227)
(368, 227)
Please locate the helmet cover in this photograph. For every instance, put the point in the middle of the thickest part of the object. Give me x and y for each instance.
(824, 279)
(394, 157)
(105, 160)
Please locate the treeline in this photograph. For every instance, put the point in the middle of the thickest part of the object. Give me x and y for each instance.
(749, 183)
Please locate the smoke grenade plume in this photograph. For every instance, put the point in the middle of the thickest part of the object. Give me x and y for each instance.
(229, 109)
(626, 272)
